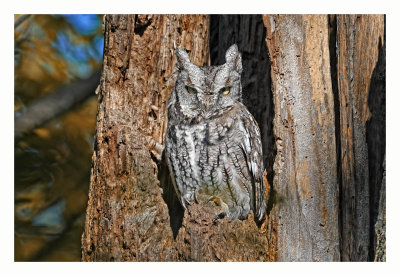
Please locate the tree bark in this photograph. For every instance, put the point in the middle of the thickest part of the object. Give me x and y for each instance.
(358, 39)
(202, 238)
(305, 211)
(127, 218)
(380, 226)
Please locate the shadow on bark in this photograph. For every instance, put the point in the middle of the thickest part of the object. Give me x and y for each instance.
(175, 209)
(376, 139)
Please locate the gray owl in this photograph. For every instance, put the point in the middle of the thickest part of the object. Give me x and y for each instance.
(213, 143)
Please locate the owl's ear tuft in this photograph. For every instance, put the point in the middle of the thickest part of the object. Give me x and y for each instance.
(182, 58)
(234, 59)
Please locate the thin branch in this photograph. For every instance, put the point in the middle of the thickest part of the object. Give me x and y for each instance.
(53, 105)
(21, 19)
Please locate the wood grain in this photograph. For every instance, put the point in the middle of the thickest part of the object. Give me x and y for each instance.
(305, 212)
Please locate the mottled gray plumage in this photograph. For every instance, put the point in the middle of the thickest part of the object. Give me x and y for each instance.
(213, 143)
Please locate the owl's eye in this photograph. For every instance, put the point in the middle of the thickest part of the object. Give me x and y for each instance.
(225, 90)
(191, 90)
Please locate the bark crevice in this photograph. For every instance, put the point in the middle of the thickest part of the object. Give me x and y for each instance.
(175, 209)
(332, 22)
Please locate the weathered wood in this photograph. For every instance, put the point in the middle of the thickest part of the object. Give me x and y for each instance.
(305, 211)
(202, 238)
(357, 54)
(376, 140)
(380, 226)
(127, 219)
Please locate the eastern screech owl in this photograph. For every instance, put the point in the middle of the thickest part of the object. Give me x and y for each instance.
(213, 143)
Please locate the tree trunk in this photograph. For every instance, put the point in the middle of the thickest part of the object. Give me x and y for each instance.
(358, 39)
(305, 211)
(127, 218)
(132, 212)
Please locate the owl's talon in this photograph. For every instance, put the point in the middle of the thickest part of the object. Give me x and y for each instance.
(215, 199)
(224, 208)
(185, 202)
(196, 197)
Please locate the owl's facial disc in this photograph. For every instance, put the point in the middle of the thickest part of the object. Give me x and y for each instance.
(205, 91)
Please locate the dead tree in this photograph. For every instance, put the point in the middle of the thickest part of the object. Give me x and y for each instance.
(127, 219)
(305, 212)
(359, 45)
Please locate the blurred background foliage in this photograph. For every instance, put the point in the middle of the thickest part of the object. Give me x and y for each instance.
(52, 162)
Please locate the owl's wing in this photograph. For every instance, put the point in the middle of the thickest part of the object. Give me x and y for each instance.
(252, 149)
(173, 178)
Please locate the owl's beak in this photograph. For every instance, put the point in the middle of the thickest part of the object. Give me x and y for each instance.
(207, 101)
